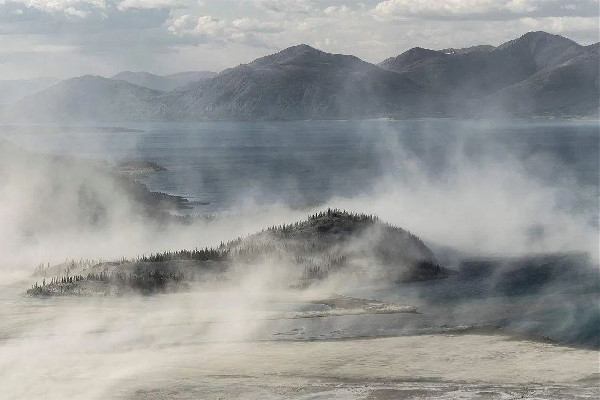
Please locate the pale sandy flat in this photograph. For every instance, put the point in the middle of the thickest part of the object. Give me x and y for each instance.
(428, 366)
(465, 358)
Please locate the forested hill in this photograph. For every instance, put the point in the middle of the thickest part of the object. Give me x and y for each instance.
(332, 245)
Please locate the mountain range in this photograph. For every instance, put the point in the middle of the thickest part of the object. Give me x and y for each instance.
(537, 74)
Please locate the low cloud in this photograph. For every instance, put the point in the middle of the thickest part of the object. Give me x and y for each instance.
(204, 26)
(144, 4)
(482, 9)
(286, 6)
(82, 7)
(255, 25)
(213, 34)
(206, 29)
(67, 7)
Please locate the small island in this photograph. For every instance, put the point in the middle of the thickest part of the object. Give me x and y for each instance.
(329, 245)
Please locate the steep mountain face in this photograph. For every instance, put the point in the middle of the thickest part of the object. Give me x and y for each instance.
(14, 90)
(296, 83)
(538, 49)
(162, 83)
(567, 88)
(87, 98)
(471, 73)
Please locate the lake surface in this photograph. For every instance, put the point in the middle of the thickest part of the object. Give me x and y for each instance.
(305, 163)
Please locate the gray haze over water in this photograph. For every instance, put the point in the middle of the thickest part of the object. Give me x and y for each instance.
(306, 163)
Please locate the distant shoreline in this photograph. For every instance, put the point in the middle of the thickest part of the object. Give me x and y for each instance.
(93, 125)
(91, 128)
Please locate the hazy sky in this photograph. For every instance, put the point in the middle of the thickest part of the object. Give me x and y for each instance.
(64, 38)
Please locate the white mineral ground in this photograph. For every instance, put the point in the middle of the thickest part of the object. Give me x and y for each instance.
(209, 346)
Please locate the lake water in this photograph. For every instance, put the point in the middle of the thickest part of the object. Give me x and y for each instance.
(305, 163)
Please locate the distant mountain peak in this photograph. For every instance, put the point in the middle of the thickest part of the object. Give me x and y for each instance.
(127, 73)
(540, 35)
(471, 49)
(287, 55)
(419, 52)
(409, 57)
(301, 47)
(300, 50)
(543, 48)
(537, 38)
(89, 78)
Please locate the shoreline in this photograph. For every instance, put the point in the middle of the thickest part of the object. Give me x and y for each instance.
(101, 126)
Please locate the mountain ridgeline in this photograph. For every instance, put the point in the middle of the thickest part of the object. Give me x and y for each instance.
(537, 74)
(163, 83)
(331, 245)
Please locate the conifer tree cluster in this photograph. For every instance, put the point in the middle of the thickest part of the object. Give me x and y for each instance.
(146, 281)
(206, 254)
(316, 246)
